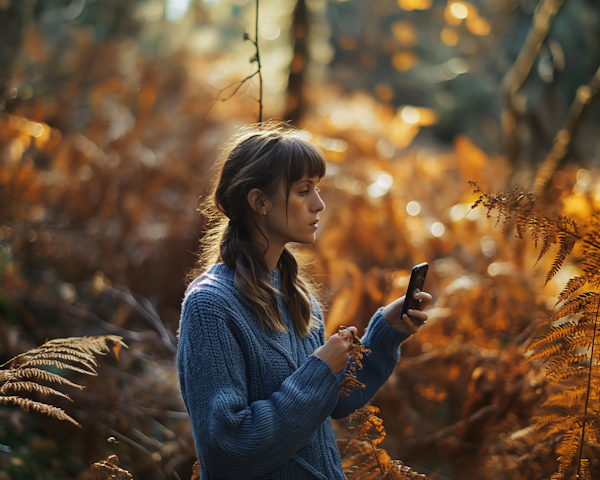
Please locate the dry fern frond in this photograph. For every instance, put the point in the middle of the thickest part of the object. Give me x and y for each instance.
(72, 354)
(40, 374)
(506, 205)
(349, 381)
(584, 303)
(365, 464)
(365, 425)
(362, 458)
(568, 235)
(560, 363)
(195, 471)
(27, 404)
(109, 469)
(572, 286)
(523, 208)
(570, 348)
(553, 334)
(34, 387)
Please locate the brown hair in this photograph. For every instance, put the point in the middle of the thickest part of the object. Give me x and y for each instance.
(259, 156)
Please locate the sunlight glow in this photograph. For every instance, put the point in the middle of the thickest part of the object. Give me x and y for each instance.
(409, 5)
(449, 36)
(458, 66)
(584, 177)
(176, 9)
(493, 269)
(413, 208)
(410, 115)
(270, 31)
(403, 61)
(488, 246)
(381, 185)
(458, 211)
(437, 229)
(405, 33)
(384, 180)
(459, 10)
(385, 148)
(479, 26)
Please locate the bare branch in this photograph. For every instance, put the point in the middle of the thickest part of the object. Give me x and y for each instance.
(145, 308)
(516, 76)
(586, 94)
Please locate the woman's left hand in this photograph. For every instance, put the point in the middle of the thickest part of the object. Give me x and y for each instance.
(414, 320)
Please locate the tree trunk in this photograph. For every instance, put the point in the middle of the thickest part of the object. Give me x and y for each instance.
(14, 18)
(296, 103)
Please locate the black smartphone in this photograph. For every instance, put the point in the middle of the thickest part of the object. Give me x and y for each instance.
(417, 280)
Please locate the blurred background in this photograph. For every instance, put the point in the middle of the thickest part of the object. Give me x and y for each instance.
(112, 113)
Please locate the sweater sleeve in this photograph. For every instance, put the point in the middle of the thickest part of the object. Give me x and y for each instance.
(234, 438)
(384, 342)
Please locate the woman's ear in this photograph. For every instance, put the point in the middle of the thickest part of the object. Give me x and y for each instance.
(256, 200)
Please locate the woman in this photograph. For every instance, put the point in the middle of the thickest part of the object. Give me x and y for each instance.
(258, 379)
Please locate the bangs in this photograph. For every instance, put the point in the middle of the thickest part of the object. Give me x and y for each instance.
(304, 160)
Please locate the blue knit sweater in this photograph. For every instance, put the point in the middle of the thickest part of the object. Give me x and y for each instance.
(259, 401)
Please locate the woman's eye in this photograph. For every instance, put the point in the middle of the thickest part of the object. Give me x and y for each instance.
(304, 192)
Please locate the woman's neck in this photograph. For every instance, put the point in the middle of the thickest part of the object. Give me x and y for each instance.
(272, 257)
(273, 248)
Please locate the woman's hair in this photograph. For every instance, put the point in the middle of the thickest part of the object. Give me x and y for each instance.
(259, 156)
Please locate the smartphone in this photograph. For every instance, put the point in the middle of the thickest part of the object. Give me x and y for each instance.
(417, 280)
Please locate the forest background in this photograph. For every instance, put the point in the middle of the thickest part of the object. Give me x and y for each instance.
(112, 113)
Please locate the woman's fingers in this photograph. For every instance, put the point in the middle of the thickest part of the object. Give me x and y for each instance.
(410, 324)
(337, 349)
(424, 299)
(418, 315)
(349, 333)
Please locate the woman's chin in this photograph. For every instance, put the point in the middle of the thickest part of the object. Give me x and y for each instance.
(306, 240)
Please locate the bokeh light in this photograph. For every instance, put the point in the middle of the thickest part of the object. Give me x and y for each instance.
(413, 208)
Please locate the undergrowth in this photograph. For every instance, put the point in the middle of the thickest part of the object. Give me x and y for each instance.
(568, 346)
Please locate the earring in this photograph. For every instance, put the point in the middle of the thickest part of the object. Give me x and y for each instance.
(265, 212)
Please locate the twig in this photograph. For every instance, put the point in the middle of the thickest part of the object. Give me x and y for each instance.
(586, 94)
(260, 80)
(518, 73)
(145, 308)
(238, 84)
(109, 327)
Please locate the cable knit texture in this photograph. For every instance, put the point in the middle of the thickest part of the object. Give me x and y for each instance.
(260, 403)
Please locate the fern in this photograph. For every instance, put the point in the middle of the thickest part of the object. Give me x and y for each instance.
(363, 460)
(20, 374)
(349, 381)
(569, 349)
(567, 237)
(196, 471)
(584, 303)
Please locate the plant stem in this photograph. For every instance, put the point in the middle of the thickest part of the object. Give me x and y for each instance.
(370, 441)
(260, 80)
(587, 393)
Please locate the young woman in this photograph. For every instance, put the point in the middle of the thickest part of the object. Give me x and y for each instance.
(258, 379)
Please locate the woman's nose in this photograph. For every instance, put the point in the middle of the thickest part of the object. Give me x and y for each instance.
(320, 204)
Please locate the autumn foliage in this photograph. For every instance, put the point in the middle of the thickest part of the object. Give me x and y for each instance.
(101, 168)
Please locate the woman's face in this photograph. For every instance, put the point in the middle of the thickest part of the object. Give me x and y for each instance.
(297, 221)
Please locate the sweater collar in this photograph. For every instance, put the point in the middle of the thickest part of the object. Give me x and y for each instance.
(223, 273)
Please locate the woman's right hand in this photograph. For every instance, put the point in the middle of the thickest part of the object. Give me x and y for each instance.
(337, 349)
